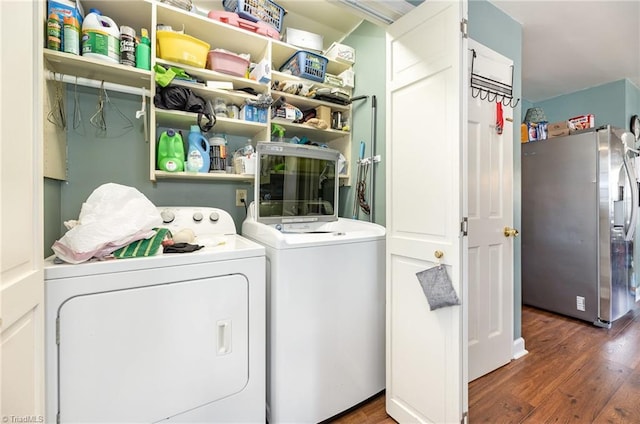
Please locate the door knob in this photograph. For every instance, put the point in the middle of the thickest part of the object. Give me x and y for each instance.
(510, 232)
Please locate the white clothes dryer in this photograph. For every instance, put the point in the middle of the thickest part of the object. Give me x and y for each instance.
(174, 337)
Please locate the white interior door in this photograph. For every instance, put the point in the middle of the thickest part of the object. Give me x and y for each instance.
(21, 275)
(490, 211)
(426, 136)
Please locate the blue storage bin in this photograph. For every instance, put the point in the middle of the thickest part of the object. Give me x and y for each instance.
(257, 10)
(306, 65)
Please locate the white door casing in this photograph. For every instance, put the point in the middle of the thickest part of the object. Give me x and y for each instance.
(426, 200)
(490, 211)
(21, 181)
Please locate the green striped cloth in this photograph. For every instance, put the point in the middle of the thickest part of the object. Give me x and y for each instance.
(144, 247)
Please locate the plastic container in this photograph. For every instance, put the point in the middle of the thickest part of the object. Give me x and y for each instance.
(232, 18)
(170, 152)
(143, 51)
(257, 10)
(341, 53)
(198, 153)
(127, 46)
(181, 48)
(100, 37)
(306, 65)
(227, 63)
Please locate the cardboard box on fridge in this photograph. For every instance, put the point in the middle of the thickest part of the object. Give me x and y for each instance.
(581, 122)
(558, 129)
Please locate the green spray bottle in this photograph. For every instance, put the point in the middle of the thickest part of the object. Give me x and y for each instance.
(278, 131)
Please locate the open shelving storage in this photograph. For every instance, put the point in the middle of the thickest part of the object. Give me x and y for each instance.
(149, 13)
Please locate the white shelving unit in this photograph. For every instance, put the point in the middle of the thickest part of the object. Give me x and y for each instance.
(149, 13)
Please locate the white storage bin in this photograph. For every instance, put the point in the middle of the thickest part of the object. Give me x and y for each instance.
(341, 53)
(304, 39)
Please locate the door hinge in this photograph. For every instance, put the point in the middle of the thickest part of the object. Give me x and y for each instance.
(58, 331)
(464, 28)
(464, 226)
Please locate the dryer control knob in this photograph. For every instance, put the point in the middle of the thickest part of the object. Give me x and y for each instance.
(167, 216)
(197, 216)
(214, 217)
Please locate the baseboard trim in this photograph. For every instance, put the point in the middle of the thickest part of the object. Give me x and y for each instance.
(518, 348)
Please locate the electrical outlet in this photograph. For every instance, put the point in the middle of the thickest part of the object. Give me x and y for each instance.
(241, 194)
(580, 303)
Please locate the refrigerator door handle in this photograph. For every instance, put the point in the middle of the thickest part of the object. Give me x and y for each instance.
(634, 199)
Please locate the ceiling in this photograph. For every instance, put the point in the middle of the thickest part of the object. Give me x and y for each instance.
(573, 45)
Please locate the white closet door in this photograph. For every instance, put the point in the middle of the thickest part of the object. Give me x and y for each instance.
(21, 274)
(426, 136)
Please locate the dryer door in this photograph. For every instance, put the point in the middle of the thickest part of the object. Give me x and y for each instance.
(148, 353)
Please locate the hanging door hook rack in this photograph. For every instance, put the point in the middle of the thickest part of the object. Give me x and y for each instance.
(490, 89)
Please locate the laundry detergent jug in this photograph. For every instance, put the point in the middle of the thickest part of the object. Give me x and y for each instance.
(170, 152)
(100, 37)
(198, 152)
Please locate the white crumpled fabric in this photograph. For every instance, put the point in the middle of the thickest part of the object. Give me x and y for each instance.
(113, 216)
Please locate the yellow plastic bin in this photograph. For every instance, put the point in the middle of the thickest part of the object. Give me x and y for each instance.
(181, 48)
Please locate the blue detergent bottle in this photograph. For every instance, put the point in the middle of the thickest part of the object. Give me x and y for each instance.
(198, 151)
(170, 152)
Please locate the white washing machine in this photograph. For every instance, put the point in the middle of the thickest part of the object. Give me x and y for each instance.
(174, 337)
(325, 287)
(325, 316)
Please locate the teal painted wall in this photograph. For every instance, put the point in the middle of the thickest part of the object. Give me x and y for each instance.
(122, 157)
(484, 20)
(370, 81)
(607, 102)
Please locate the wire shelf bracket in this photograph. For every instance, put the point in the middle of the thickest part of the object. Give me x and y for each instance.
(490, 89)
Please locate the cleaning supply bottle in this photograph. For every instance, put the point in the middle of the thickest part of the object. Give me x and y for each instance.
(127, 46)
(100, 37)
(277, 132)
(170, 152)
(71, 35)
(143, 51)
(198, 153)
(218, 153)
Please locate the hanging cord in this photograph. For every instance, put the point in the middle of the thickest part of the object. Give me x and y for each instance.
(361, 188)
(57, 113)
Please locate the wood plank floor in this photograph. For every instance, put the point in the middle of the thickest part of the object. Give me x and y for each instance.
(574, 373)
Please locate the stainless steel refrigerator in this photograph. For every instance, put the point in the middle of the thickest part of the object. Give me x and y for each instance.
(579, 208)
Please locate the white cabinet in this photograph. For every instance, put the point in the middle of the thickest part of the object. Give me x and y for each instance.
(148, 14)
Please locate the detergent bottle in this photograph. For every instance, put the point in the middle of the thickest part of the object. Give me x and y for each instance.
(170, 152)
(100, 37)
(198, 153)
